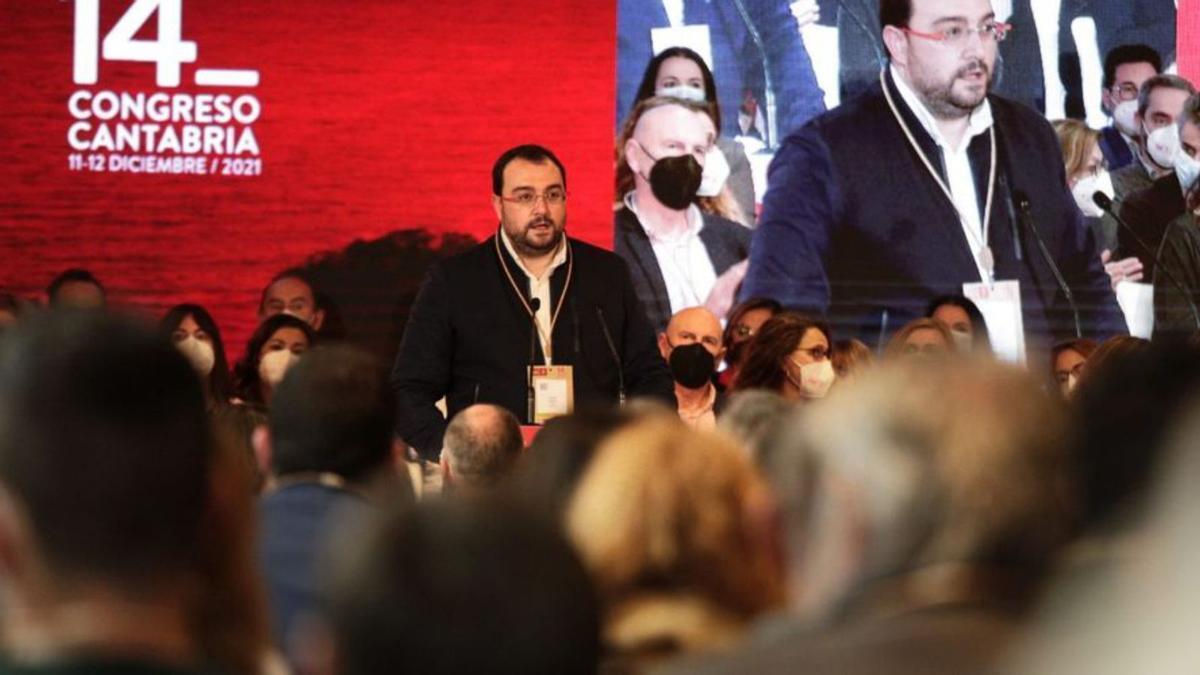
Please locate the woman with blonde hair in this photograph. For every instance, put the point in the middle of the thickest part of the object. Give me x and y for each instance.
(920, 337)
(1087, 175)
(676, 529)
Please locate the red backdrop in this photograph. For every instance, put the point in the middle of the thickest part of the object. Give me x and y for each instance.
(376, 116)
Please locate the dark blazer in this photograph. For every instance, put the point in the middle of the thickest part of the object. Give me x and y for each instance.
(1179, 251)
(727, 243)
(854, 228)
(1148, 212)
(470, 339)
(1117, 153)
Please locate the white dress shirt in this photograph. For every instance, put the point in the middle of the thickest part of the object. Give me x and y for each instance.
(539, 287)
(961, 180)
(687, 270)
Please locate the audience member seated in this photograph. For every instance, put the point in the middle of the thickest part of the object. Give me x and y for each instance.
(753, 417)
(194, 332)
(678, 255)
(727, 186)
(125, 536)
(1116, 348)
(1150, 211)
(1067, 360)
(77, 289)
(1126, 69)
(743, 322)
(273, 348)
(1180, 248)
(10, 309)
(291, 292)
(789, 356)
(1160, 101)
(920, 338)
(480, 449)
(691, 346)
(561, 452)
(965, 321)
(676, 528)
(923, 509)
(850, 357)
(1087, 174)
(329, 452)
(463, 587)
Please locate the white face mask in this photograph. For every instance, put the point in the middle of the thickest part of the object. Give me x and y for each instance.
(1072, 382)
(1088, 186)
(200, 354)
(716, 172)
(1187, 169)
(963, 341)
(274, 365)
(815, 378)
(682, 91)
(1163, 145)
(1125, 117)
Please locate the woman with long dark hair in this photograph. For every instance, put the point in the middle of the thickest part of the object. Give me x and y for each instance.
(194, 332)
(276, 344)
(790, 355)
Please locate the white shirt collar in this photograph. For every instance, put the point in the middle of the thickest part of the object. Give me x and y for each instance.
(560, 256)
(695, 222)
(979, 121)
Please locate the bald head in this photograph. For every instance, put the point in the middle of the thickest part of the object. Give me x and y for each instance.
(694, 324)
(481, 446)
(671, 129)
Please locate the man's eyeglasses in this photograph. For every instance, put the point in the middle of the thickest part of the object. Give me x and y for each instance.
(528, 198)
(1126, 91)
(957, 36)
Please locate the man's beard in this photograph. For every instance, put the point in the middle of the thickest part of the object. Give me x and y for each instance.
(525, 245)
(944, 102)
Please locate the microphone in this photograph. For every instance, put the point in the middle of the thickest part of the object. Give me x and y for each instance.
(1106, 204)
(768, 81)
(1023, 213)
(534, 304)
(612, 349)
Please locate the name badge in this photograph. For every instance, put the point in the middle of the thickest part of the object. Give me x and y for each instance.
(1000, 304)
(1137, 303)
(553, 392)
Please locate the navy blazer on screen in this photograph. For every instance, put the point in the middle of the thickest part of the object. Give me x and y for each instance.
(854, 227)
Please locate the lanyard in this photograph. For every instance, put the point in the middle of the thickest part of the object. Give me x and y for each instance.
(985, 258)
(545, 338)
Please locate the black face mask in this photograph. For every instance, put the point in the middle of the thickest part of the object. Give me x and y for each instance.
(692, 365)
(675, 180)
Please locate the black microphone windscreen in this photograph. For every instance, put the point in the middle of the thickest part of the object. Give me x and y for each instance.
(535, 304)
(1102, 200)
(1021, 198)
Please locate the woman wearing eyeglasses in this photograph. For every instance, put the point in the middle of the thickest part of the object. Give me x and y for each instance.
(741, 325)
(790, 355)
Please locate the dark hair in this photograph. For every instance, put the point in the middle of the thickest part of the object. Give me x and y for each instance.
(763, 366)
(528, 152)
(334, 412)
(742, 309)
(218, 379)
(894, 13)
(10, 303)
(1123, 412)
(464, 587)
(561, 452)
(979, 329)
(1126, 54)
(482, 451)
(246, 383)
(75, 274)
(647, 88)
(104, 442)
(1167, 81)
(290, 273)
